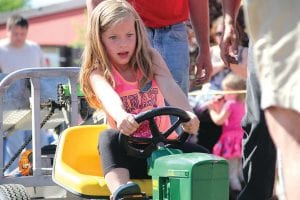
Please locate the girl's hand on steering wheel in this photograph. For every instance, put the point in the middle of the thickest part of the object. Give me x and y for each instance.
(127, 124)
(191, 126)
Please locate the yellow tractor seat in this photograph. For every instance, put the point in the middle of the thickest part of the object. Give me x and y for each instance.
(77, 167)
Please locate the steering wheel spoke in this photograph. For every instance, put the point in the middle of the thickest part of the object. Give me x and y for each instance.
(171, 129)
(153, 127)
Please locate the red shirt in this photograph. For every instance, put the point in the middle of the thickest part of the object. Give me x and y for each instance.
(160, 13)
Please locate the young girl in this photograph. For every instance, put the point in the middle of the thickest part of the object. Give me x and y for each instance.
(228, 111)
(124, 75)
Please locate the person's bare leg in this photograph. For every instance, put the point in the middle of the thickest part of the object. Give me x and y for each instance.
(116, 177)
(284, 126)
(234, 168)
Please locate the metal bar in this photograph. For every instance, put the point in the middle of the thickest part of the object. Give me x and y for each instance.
(29, 181)
(34, 74)
(74, 101)
(1, 136)
(36, 147)
(38, 72)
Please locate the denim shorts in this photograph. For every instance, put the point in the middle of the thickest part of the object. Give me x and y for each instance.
(172, 44)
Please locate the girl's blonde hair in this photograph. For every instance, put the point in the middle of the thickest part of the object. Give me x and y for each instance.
(105, 15)
(235, 82)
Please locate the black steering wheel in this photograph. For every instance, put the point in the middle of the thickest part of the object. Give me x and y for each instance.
(142, 147)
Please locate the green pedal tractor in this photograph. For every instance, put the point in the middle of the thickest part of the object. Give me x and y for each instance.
(175, 175)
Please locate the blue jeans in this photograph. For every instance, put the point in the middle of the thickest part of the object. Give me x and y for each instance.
(172, 43)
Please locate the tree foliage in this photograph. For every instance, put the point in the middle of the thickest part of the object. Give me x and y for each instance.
(10, 5)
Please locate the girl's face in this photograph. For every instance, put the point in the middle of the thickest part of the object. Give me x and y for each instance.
(229, 96)
(119, 41)
(218, 33)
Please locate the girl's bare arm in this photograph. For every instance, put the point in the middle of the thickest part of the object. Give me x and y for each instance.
(112, 103)
(173, 93)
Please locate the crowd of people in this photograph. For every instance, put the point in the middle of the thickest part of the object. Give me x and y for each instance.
(137, 47)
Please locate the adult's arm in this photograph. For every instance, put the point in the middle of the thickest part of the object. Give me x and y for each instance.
(241, 68)
(230, 42)
(199, 15)
(90, 5)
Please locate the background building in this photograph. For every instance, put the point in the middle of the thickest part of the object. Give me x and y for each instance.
(59, 29)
